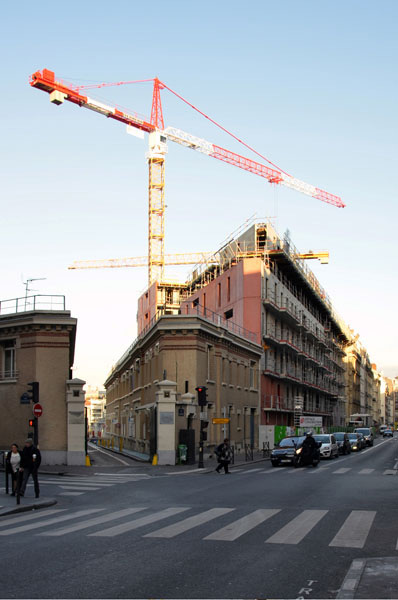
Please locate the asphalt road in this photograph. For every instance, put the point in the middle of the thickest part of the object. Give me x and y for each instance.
(260, 532)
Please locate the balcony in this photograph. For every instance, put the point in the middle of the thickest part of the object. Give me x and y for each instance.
(284, 311)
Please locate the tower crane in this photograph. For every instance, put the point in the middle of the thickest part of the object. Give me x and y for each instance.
(61, 91)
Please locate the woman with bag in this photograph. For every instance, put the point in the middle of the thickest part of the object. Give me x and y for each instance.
(13, 462)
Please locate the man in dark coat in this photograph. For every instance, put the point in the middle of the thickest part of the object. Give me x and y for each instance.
(224, 455)
(30, 463)
(309, 447)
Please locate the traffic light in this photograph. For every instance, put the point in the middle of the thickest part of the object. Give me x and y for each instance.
(202, 395)
(31, 422)
(33, 390)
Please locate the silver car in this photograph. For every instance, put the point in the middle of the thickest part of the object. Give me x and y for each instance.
(329, 447)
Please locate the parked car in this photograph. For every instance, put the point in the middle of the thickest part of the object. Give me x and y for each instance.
(382, 429)
(329, 447)
(362, 440)
(388, 433)
(285, 451)
(355, 441)
(367, 434)
(343, 442)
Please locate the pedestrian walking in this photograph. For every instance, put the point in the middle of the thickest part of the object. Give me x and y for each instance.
(30, 463)
(224, 456)
(13, 462)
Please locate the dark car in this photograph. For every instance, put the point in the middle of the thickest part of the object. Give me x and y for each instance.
(367, 434)
(285, 451)
(388, 433)
(343, 442)
(355, 441)
(362, 439)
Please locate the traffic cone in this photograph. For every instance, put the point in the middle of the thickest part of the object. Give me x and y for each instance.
(88, 462)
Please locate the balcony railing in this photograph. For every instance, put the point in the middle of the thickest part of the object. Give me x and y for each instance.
(9, 375)
(32, 303)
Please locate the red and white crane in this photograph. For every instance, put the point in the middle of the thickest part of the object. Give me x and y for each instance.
(158, 135)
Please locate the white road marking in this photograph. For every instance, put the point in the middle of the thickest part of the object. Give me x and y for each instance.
(389, 472)
(94, 521)
(31, 516)
(70, 493)
(118, 529)
(365, 471)
(247, 471)
(78, 483)
(111, 456)
(355, 529)
(341, 471)
(80, 513)
(79, 488)
(234, 530)
(298, 528)
(273, 470)
(189, 523)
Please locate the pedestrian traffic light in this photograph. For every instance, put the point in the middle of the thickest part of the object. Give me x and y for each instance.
(202, 395)
(31, 422)
(33, 390)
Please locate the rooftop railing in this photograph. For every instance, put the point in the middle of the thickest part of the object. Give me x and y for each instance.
(32, 303)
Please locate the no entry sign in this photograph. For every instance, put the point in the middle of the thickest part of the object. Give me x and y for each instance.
(37, 410)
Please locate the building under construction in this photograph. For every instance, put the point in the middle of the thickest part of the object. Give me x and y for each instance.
(260, 282)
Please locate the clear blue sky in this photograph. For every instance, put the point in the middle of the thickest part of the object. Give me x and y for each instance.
(311, 85)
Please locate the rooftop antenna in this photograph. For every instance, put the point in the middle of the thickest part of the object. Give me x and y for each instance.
(27, 283)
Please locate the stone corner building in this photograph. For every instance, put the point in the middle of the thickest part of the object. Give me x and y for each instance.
(151, 398)
(37, 343)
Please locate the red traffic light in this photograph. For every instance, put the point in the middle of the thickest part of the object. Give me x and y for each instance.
(31, 422)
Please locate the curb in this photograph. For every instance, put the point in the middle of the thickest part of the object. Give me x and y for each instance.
(351, 580)
(27, 507)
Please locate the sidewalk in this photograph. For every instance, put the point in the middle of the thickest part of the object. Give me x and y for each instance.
(370, 578)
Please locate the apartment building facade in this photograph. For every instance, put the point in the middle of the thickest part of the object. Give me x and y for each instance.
(172, 356)
(262, 285)
(37, 343)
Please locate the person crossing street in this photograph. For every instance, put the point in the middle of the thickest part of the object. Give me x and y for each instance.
(30, 463)
(224, 455)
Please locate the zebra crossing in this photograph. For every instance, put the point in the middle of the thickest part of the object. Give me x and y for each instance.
(273, 526)
(312, 471)
(78, 485)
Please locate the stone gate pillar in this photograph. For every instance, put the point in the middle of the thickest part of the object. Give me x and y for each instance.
(166, 417)
(76, 431)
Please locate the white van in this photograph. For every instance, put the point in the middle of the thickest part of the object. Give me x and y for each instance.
(382, 429)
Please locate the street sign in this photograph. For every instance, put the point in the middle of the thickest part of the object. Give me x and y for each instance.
(221, 421)
(310, 421)
(37, 410)
(25, 398)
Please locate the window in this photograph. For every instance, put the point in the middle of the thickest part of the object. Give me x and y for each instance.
(219, 294)
(9, 359)
(195, 302)
(228, 289)
(252, 373)
(229, 314)
(210, 363)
